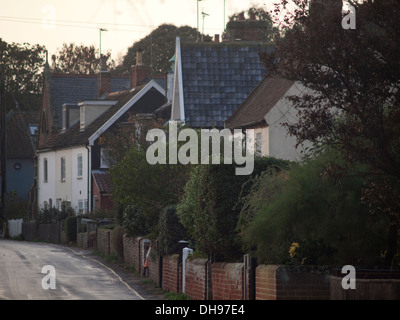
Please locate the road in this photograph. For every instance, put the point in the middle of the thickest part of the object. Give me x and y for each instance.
(77, 275)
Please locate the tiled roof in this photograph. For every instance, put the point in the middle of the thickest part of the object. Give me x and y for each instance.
(71, 89)
(20, 142)
(74, 137)
(217, 78)
(103, 181)
(261, 100)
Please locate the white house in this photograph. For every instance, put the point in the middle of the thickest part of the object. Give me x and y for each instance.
(265, 110)
(68, 159)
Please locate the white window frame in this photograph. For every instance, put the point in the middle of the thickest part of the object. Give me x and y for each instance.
(79, 166)
(104, 158)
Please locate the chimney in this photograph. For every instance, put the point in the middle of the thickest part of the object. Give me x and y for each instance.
(140, 74)
(241, 16)
(216, 38)
(252, 16)
(103, 79)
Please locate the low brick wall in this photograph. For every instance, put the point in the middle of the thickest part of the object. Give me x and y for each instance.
(82, 239)
(103, 242)
(227, 281)
(132, 252)
(170, 281)
(366, 289)
(196, 270)
(275, 282)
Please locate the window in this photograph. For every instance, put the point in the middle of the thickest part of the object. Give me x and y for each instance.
(104, 158)
(45, 170)
(82, 206)
(33, 129)
(80, 166)
(63, 169)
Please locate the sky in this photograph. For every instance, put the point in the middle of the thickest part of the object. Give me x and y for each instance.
(54, 22)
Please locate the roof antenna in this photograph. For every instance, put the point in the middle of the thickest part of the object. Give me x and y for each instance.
(204, 15)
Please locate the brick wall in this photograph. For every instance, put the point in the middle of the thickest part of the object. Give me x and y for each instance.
(171, 273)
(103, 241)
(196, 278)
(291, 283)
(227, 281)
(132, 252)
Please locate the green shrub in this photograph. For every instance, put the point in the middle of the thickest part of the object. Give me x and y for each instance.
(70, 228)
(319, 211)
(210, 207)
(171, 231)
(135, 221)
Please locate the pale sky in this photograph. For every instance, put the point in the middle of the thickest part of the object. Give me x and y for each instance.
(54, 22)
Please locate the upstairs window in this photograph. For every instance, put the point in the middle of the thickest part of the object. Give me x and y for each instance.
(104, 158)
(80, 166)
(63, 174)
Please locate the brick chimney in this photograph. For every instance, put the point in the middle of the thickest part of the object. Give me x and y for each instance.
(139, 73)
(216, 38)
(103, 78)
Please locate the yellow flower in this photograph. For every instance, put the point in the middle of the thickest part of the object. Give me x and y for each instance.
(292, 250)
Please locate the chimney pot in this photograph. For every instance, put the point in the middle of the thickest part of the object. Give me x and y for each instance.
(216, 38)
(241, 16)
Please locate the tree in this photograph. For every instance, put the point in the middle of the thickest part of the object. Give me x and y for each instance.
(78, 59)
(159, 47)
(141, 190)
(262, 21)
(320, 213)
(210, 206)
(354, 77)
(22, 66)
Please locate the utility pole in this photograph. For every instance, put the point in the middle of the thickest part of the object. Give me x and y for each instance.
(204, 15)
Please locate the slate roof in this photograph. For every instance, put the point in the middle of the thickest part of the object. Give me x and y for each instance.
(216, 78)
(74, 137)
(71, 89)
(20, 143)
(261, 100)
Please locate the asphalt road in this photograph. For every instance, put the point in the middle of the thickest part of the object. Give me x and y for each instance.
(77, 275)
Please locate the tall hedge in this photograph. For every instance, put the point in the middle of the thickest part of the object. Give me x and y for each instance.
(171, 231)
(210, 207)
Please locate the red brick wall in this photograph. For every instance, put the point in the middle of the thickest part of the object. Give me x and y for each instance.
(291, 283)
(132, 252)
(195, 286)
(227, 281)
(171, 273)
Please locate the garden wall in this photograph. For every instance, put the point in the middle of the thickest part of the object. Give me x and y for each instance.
(230, 281)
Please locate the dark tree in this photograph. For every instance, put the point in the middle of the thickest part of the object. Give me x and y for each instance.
(22, 65)
(159, 47)
(354, 75)
(78, 59)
